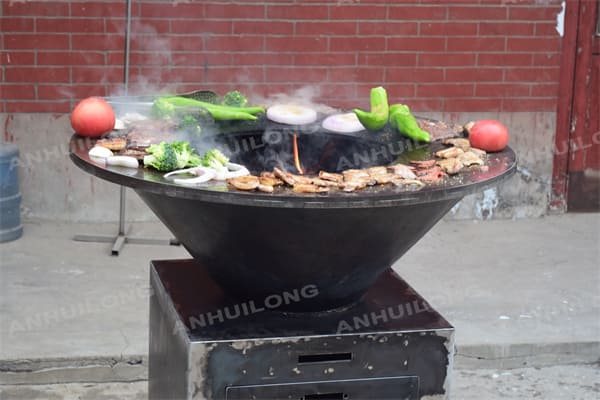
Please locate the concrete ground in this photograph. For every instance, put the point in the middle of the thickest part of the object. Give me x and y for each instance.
(521, 294)
(550, 383)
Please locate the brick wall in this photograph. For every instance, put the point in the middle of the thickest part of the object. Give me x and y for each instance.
(485, 55)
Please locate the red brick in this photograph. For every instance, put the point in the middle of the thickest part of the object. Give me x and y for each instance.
(388, 59)
(472, 105)
(532, 75)
(422, 105)
(387, 28)
(337, 91)
(167, 44)
(547, 59)
(544, 90)
(357, 43)
(418, 44)
(35, 8)
(214, 27)
(445, 90)
(262, 59)
(70, 58)
(79, 91)
(355, 74)
(533, 13)
(446, 59)
(234, 11)
(534, 44)
(234, 43)
(38, 106)
(504, 59)
(175, 9)
(412, 12)
(118, 25)
(150, 58)
(476, 13)
(418, 75)
(546, 29)
(68, 25)
(16, 24)
(115, 57)
(17, 58)
(474, 74)
(164, 76)
(325, 59)
(98, 9)
(529, 104)
(295, 74)
(475, 44)
(97, 74)
(505, 29)
(36, 41)
(260, 27)
(201, 58)
(296, 43)
(97, 42)
(17, 92)
(357, 12)
(325, 28)
(448, 28)
(149, 26)
(295, 12)
(234, 74)
(501, 90)
(35, 74)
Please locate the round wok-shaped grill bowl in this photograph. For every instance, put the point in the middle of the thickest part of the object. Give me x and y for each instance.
(300, 252)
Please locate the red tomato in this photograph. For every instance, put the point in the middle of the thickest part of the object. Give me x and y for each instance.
(488, 135)
(92, 117)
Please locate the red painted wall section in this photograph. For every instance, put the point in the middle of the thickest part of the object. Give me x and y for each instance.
(486, 55)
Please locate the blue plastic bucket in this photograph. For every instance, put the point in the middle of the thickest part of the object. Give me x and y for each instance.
(10, 196)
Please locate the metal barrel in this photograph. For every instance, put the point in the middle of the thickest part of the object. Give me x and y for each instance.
(10, 196)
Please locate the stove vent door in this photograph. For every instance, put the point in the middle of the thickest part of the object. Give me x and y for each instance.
(397, 388)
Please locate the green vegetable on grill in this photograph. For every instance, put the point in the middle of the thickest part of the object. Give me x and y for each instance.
(167, 106)
(171, 156)
(406, 124)
(379, 114)
(234, 99)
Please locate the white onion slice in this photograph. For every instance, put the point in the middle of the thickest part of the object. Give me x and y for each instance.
(119, 125)
(100, 152)
(233, 171)
(203, 174)
(343, 123)
(123, 161)
(291, 114)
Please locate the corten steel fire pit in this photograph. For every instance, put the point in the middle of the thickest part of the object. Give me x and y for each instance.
(257, 244)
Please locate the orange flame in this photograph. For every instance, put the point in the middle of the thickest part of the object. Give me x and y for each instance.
(296, 156)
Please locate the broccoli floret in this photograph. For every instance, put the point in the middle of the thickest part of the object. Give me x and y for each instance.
(171, 156)
(190, 124)
(234, 99)
(215, 159)
(162, 108)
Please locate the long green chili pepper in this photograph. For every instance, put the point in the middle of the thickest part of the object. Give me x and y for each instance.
(406, 124)
(165, 106)
(378, 117)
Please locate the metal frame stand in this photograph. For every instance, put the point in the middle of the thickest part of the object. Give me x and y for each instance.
(122, 237)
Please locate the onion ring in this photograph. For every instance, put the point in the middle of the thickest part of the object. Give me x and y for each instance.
(203, 174)
(233, 171)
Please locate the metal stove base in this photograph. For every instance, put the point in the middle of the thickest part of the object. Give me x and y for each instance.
(204, 345)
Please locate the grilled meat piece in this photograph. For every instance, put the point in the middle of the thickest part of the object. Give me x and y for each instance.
(478, 152)
(351, 186)
(433, 174)
(324, 183)
(269, 181)
(451, 166)
(308, 188)
(374, 171)
(450, 152)
(358, 175)
(403, 171)
(330, 176)
(146, 132)
(248, 182)
(461, 143)
(439, 129)
(408, 183)
(135, 153)
(114, 144)
(470, 158)
(383, 179)
(265, 188)
(423, 164)
(284, 176)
